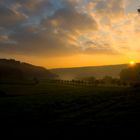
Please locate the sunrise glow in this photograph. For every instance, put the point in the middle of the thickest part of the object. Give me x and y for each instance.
(70, 33)
(70, 67)
(132, 63)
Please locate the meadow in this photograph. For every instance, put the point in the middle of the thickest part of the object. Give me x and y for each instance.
(55, 108)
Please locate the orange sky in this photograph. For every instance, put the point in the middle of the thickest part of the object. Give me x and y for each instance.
(70, 33)
(76, 61)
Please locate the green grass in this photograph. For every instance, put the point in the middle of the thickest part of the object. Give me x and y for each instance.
(49, 105)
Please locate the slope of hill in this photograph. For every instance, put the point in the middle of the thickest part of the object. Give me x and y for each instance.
(12, 70)
(95, 71)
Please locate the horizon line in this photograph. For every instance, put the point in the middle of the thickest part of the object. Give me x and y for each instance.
(73, 67)
(90, 66)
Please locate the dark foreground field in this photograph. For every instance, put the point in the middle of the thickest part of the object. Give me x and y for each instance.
(56, 109)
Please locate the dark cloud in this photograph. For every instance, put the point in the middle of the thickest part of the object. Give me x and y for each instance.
(35, 7)
(33, 41)
(48, 27)
(70, 20)
(9, 17)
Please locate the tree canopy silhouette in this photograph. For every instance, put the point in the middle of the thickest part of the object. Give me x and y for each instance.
(138, 10)
(16, 70)
(131, 74)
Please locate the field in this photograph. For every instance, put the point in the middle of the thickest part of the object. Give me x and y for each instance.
(54, 108)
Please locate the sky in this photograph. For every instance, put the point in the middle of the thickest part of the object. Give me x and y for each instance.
(70, 33)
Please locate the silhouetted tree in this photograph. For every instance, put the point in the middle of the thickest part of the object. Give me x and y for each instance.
(138, 10)
(108, 79)
(131, 74)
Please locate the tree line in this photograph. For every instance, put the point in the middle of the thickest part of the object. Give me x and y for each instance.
(91, 81)
(128, 77)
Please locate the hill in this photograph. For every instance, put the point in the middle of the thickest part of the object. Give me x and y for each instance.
(96, 71)
(12, 70)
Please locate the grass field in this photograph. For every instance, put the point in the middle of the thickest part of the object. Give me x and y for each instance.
(56, 108)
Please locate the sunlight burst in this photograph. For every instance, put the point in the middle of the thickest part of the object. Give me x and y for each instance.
(132, 63)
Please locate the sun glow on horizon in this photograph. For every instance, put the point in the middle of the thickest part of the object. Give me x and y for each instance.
(132, 63)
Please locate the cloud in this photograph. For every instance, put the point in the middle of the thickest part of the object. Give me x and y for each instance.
(10, 17)
(70, 20)
(55, 35)
(3, 38)
(33, 41)
(98, 48)
(110, 8)
(67, 27)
